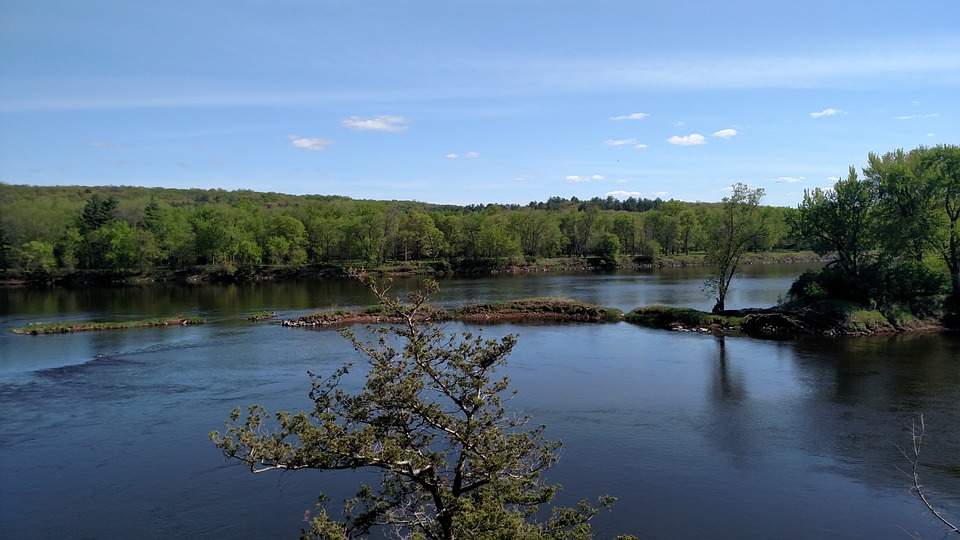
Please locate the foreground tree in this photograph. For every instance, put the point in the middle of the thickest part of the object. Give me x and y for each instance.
(455, 462)
(739, 223)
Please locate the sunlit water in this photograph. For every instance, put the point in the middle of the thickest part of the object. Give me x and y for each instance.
(104, 434)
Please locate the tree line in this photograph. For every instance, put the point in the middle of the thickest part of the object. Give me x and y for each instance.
(46, 230)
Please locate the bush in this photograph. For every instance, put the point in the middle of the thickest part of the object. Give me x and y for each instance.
(879, 283)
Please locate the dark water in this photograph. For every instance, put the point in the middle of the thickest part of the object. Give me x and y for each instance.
(104, 434)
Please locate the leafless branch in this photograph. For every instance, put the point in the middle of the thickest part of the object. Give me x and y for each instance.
(913, 456)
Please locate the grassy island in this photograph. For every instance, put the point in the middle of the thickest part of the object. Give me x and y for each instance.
(555, 309)
(552, 308)
(85, 326)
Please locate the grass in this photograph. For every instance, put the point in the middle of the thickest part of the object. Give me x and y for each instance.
(86, 326)
(666, 317)
(549, 307)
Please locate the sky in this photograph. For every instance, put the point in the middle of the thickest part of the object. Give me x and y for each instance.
(472, 101)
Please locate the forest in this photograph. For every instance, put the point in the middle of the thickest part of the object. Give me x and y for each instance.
(57, 230)
(896, 227)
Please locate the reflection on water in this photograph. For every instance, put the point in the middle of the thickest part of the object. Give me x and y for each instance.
(104, 434)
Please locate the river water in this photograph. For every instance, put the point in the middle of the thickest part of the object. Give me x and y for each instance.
(104, 434)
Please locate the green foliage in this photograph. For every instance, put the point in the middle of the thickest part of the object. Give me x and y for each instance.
(839, 221)
(878, 284)
(37, 258)
(215, 231)
(739, 224)
(561, 307)
(98, 212)
(454, 462)
(608, 249)
(908, 206)
(919, 203)
(666, 317)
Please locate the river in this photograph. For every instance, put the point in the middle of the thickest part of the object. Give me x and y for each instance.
(104, 434)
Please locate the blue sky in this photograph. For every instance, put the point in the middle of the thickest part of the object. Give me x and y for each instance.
(464, 102)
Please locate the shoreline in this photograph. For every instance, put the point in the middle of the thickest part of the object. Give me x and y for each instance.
(209, 275)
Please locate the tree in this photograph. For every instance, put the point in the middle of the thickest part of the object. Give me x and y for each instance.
(839, 221)
(37, 257)
(538, 232)
(920, 195)
(97, 213)
(455, 463)
(608, 249)
(731, 230)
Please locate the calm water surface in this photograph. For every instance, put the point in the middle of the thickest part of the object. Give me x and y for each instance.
(104, 434)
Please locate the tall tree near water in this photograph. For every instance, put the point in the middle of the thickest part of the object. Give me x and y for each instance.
(731, 230)
(920, 196)
(839, 221)
(453, 462)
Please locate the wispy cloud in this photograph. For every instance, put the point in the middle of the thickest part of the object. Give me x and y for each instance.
(915, 116)
(525, 177)
(790, 179)
(468, 155)
(688, 140)
(623, 194)
(827, 112)
(312, 144)
(104, 144)
(624, 142)
(385, 123)
(633, 116)
(728, 133)
(575, 179)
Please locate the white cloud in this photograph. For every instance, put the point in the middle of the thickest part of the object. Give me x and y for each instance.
(623, 194)
(619, 142)
(525, 177)
(313, 144)
(789, 180)
(575, 179)
(452, 156)
(634, 116)
(660, 193)
(641, 146)
(827, 112)
(472, 155)
(688, 140)
(833, 179)
(915, 116)
(385, 123)
(725, 133)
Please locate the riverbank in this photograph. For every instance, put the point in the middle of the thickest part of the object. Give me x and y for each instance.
(213, 274)
(824, 318)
